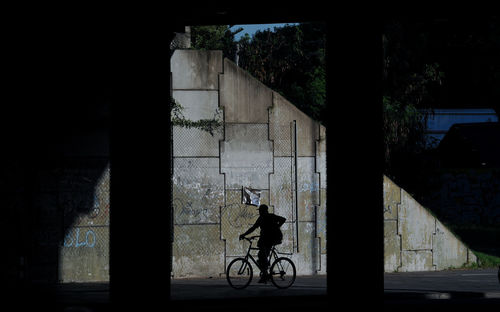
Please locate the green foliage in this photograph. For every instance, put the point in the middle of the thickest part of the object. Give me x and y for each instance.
(291, 61)
(218, 37)
(209, 125)
(487, 261)
(408, 83)
(403, 127)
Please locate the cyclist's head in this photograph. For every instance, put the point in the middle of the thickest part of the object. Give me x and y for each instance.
(263, 209)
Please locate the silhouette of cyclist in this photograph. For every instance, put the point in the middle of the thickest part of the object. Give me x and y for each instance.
(270, 235)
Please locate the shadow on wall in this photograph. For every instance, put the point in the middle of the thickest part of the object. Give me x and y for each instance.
(71, 233)
(54, 190)
(55, 149)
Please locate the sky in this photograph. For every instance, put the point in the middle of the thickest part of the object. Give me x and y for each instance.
(253, 28)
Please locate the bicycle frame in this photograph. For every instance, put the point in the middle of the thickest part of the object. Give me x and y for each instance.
(281, 271)
(272, 254)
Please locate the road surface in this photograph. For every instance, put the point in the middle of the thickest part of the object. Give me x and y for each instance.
(451, 285)
(194, 289)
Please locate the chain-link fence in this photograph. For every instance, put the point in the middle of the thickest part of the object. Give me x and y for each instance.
(207, 209)
(72, 202)
(84, 200)
(207, 191)
(283, 181)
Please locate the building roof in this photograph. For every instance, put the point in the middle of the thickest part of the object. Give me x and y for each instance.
(441, 120)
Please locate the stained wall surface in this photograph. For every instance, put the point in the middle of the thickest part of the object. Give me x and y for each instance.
(265, 143)
(415, 240)
(70, 237)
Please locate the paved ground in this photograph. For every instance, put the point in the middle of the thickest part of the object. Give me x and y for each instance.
(194, 289)
(187, 294)
(481, 286)
(308, 292)
(457, 287)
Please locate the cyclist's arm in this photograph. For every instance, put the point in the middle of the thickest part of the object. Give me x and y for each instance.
(250, 230)
(253, 228)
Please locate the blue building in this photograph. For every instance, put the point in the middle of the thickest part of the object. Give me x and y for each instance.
(441, 120)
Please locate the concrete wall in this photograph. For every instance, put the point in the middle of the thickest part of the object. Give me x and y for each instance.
(255, 149)
(414, 240)
(70, 239)
(84, 253)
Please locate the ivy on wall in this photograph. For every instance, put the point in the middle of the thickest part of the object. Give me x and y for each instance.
(209, 125)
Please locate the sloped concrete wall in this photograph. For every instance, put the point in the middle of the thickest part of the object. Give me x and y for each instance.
(255, 149)
(311, 183)
(244, 98)
(414, 240)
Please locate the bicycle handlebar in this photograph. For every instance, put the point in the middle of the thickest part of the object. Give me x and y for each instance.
(251, 238)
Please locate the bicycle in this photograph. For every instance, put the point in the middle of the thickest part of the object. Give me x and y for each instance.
(282, 271)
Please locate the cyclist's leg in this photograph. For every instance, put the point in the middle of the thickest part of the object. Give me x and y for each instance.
(263, 255)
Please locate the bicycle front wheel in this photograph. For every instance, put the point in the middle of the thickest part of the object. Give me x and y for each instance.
(283, 273)
(239, 273)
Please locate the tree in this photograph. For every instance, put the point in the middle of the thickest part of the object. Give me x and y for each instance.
(417, 52)
(218, 37)
(291, 61)
(408, 84)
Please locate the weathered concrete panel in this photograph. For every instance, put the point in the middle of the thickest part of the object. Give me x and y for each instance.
(323, 267)
(416, 224)
(471, 257)
(448, 251)
(243, 97)
(322, 204)
(423, 242)
(195, 142)
(308, 188)
(237, 218)
(281, 187)
(197, 251)
(281, 128)
(193, 69)
(84, 198)
(321, 225)
(321, 157)
(84, 255)
(392, 246)
(280, 116)
(392, 199)
(253, 150)
(189, 142)
(282, 137)
(307, 260)
(246, 156)
(416, 260)
(197, 104)
(288, 243)
(198, 190)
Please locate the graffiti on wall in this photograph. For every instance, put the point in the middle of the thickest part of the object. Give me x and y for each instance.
(196, 203)
(77, 240)
(241, 215)
(186, 208)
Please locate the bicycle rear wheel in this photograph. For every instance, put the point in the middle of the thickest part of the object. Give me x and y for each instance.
(283, 273)
(239, 273)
